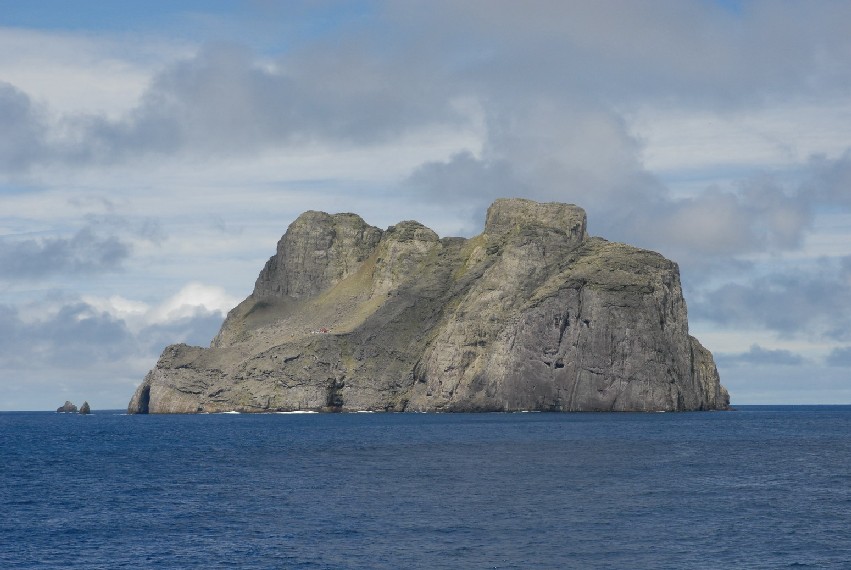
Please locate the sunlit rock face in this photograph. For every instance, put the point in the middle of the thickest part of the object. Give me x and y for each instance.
(532, 314)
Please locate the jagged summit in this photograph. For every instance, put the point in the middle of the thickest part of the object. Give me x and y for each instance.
(532, 314)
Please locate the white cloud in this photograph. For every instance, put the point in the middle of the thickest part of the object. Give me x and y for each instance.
(192, 300)
(118, 307)
(77, 73)
(709, 143)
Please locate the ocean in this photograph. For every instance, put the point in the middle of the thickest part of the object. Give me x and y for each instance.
(760, 487)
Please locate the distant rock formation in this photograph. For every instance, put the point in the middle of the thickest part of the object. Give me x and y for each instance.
(85, 409)
(532, 314)
(67, 408)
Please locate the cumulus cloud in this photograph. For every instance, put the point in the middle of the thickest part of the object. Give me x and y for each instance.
(85, 252)
(226, 100)
(191, 299)
(194, 301)
(597, 167)
(761, 216)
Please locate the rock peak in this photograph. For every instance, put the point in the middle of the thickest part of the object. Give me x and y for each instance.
(67, 408)
(317, 251)
(510, 214)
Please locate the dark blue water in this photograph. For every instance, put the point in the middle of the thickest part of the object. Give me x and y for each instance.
(757, 488)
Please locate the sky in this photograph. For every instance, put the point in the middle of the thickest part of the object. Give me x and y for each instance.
(152, 154)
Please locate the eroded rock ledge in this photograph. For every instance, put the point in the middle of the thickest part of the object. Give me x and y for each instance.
(532, 314)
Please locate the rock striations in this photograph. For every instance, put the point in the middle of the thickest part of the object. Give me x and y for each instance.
(533, 314)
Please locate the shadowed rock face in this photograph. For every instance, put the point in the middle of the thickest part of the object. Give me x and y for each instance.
(530, 315)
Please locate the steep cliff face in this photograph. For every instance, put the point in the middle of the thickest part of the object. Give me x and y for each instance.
(530, 315)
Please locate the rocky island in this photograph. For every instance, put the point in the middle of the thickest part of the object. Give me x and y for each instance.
(67, 408)
(532, 314)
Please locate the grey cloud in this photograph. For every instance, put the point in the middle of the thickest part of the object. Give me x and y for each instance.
(223, 100)
(23, 131)
(831, 180)
(549, 150)
(811, 384)
(840, 357)
(151, 230)
(759, 356)
(780, 216)
(80, 335)
(405, 67)
(623, 201)
(795, 303)
(697, 50)
(85, 252)
(80, 352)
(784, 303)
(762, 216)
(467, 183)
(197, 330)
(76, 336)
(465, 175)
(553, 85)
(549, 82)
(148, 228)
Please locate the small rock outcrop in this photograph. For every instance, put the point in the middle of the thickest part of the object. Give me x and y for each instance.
(532, 314)
(67, 408)
(85, 409)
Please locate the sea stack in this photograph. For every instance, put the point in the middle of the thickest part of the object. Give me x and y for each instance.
(67, 408)
(532, 314)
